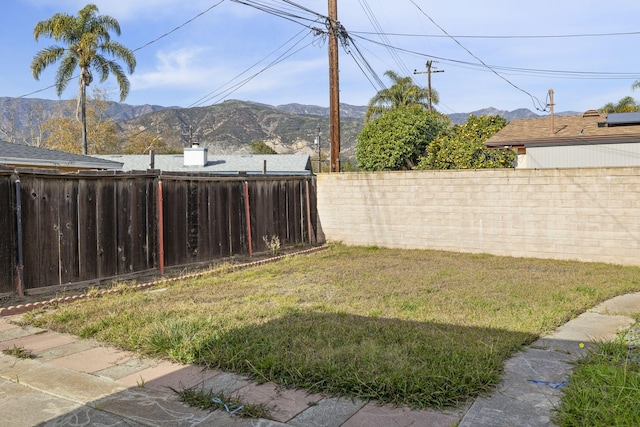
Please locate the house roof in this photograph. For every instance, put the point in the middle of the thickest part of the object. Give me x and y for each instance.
(588, 128)
(28, 156)
(276, 164)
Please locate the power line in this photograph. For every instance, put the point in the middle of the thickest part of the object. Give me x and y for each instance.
(138, 48)
(178, 27)
(539, 36)
(535, 100)
(543, 72)
(223, 93)
(293, 17)
(376, 24)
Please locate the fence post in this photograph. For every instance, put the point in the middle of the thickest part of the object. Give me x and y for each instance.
(247, 213)
(20, 265)
(309, 228)
(160, 229)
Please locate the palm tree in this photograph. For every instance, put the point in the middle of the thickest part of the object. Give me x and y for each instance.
(402, 93)
(625, 105)
(87, 41)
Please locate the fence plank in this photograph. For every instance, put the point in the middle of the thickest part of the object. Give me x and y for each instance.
(87, 229)
(8, 236)
(68, 226)
(106, 226)
(41, 231)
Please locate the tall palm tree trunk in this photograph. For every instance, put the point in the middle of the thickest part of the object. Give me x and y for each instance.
(85, 80)
(83, 118)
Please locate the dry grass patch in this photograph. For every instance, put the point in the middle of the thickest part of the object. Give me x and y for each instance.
(423, 328)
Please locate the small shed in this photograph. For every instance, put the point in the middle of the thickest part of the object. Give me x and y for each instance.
(588, 140)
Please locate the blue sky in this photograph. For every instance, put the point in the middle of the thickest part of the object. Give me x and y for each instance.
(208, 59)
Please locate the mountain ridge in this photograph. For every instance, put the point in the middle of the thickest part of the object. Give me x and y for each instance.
(224, 128)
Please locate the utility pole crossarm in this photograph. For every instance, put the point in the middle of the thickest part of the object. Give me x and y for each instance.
(430, 70)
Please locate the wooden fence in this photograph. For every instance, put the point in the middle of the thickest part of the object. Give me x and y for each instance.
(71, 229)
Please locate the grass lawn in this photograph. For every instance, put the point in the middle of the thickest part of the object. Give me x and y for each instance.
(415, 327)
(604, 388)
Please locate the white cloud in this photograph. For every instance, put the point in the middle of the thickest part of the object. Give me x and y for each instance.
(175, 68)
(126, 9)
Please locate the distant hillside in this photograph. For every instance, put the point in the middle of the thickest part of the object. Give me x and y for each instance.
(230, 127)
(226, 128)
(520, 113)
(346, 110)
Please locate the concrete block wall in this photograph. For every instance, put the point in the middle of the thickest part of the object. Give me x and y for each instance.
(589, 214)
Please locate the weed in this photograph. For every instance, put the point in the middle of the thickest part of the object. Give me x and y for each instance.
(273, 244)
(201, 399)
(19, 352)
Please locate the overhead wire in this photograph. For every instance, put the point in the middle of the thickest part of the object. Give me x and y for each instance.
(138, 48)
(536, 102)
(376, 24)
(272, 10)
(569, 74)
(262, 5)
(178, 27)
(532, 36)
(347, 43)
(270, 7)
(220, 91)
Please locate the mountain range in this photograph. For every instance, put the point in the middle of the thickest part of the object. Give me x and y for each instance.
(225, 128)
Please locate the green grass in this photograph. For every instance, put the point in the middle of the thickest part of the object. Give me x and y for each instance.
(604, 388)
(414, 327)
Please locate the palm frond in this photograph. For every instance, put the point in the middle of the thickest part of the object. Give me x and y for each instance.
(47, 56)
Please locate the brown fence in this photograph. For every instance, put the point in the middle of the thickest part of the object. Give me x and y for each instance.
(79, 228)
(8, 265)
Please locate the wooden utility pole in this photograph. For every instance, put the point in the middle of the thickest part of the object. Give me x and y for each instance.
(334, 87)
(319, 157)
(430, 69)
(551, 105)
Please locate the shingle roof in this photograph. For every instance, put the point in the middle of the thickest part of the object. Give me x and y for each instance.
(25, 155)
(566, 130)
(287, 164)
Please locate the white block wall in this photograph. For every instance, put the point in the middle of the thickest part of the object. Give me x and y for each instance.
(590, 214)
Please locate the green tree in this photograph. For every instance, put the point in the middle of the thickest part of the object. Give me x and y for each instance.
(88, 47)
(462, 146)
(402, 93)
(398, 138)
(625, 105)
(259, 147)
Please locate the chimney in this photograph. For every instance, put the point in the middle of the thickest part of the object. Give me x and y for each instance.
(195, 156)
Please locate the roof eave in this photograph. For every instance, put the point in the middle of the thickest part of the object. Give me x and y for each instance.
(566, 140)
(57, 163)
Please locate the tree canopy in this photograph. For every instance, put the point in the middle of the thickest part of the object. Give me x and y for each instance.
(625, 105)
(398, 138)
(62, 131)
(260, 147)
(462, 146)
(402, 93)
(88, 47)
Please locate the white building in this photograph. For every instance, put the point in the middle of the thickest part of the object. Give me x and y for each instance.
(589, 140)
